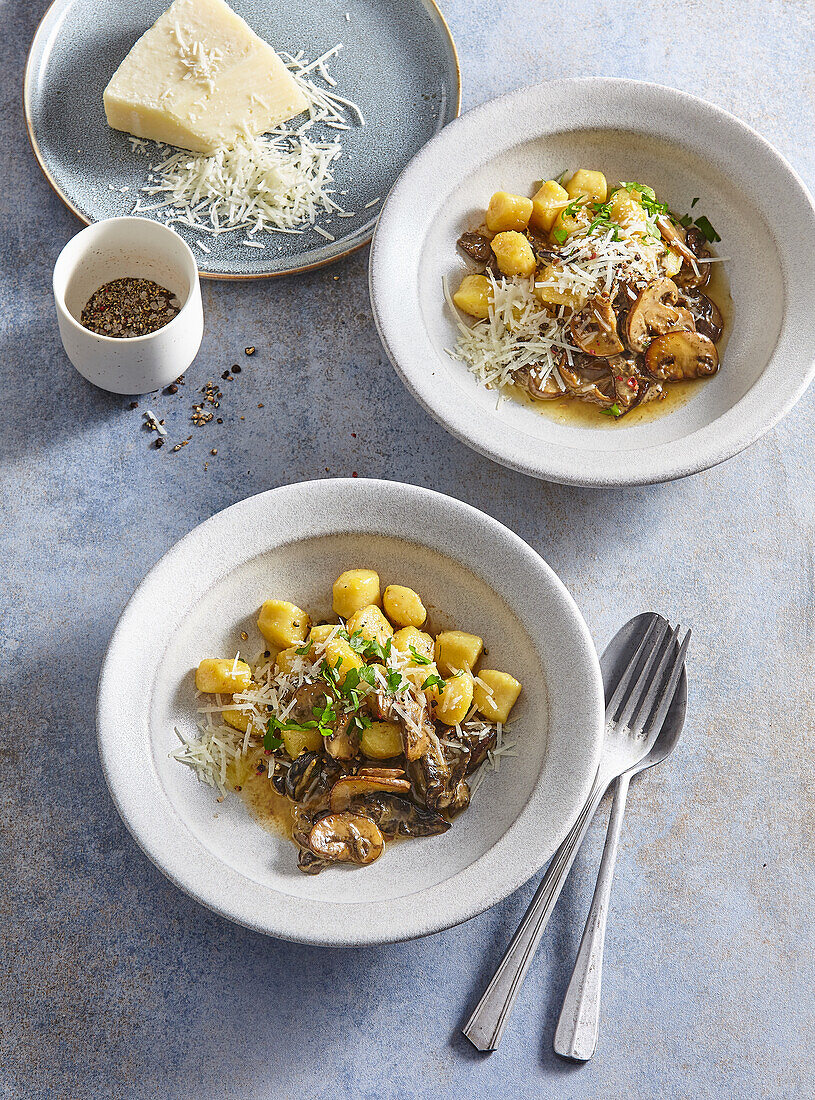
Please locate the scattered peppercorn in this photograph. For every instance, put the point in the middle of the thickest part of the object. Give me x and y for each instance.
(236, 369)
(133, 405)
(353, 435)
(260, 404)
(249, 351)
(227, 377)
(214, 451)
(159, 443)
(171, 389)
(218, 420)
(354, 474)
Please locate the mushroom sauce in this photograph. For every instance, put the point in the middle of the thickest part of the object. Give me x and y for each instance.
(351, 733)
(590, 297)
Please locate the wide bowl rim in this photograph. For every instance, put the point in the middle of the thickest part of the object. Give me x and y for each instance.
(147, 810)
(771, 396)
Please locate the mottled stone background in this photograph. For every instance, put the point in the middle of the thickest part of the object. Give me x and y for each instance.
(112, 982)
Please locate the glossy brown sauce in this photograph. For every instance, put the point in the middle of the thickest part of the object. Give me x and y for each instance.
(271, 810)
(582, 414)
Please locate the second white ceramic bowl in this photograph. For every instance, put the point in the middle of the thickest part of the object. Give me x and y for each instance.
(202, 600)
(118, 248)
(684, 148)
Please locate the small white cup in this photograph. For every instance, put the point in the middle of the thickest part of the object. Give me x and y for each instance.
(118, 248)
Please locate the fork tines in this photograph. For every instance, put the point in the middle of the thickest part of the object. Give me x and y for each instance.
(647, 686)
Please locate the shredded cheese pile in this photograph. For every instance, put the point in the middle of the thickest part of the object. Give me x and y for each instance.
(280, 182)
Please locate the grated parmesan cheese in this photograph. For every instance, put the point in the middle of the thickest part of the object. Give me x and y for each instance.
(279, 182)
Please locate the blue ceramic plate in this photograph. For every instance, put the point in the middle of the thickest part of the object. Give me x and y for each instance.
(398, 63)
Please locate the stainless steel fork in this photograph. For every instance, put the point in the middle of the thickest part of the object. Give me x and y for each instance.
(634, 717)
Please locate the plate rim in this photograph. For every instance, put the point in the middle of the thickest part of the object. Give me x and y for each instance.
(667, 468)
(191, 874)
(366, 231)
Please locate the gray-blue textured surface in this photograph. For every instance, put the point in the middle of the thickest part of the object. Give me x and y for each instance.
(114, 984)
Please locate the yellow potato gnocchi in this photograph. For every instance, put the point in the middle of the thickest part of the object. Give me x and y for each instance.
(474, 296)
(454, 700)
(222, 676)
(457, 651)
(355, 589)
(403, 606)
(283, 624)
(495, 694)
(507, 211)
(513, 254)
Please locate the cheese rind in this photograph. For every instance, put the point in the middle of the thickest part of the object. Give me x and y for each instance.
(199, 79)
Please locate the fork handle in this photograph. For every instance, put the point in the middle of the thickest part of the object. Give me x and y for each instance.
(579, 1023)
(486, 1026)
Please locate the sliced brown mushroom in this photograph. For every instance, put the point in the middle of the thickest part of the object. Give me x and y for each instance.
(706, 315)
(627, 382)
(655, 312)
(479, 745)
(594, 384)
(539, 385)
(680, 355)
(594, 328)
(430, 773)
(476, 246)
(410, 712)
(674, 236)
(352, 785)
(695, 271)
(456, 798)
(397, 816)
(381, 773)
(346, 838)
(310, 776)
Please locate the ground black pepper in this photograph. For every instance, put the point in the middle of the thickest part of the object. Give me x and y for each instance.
(129, 307)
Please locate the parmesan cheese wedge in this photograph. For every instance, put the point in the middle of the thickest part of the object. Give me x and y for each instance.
(200, 78)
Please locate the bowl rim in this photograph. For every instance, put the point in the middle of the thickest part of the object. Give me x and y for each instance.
(755, 413)
(147, 808)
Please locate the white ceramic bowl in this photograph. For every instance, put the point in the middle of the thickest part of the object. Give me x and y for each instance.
(117, 248)
(294, 542)
(684, 148)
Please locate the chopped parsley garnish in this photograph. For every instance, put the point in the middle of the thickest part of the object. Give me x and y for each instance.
(303, 649)
(394, 680)
(418, 657)
(434, 681)
(574, 206)
(271, 741)
(694, 202)
(614, 411)
(602, 220)
(647, 198)
(560, 235)
(368, 647)
(707, 230)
